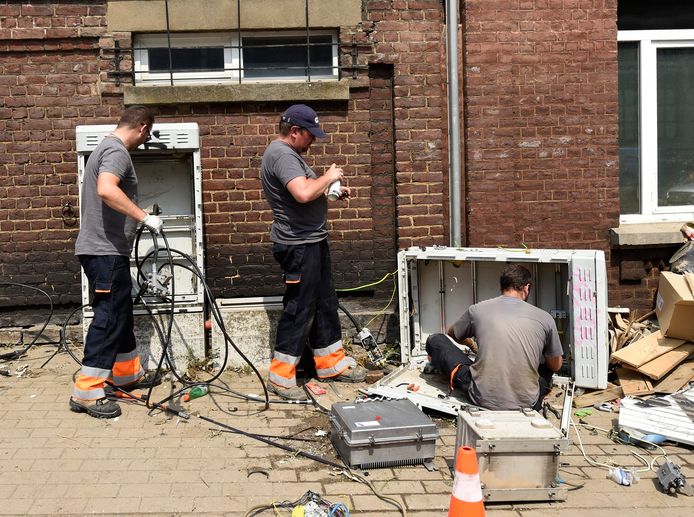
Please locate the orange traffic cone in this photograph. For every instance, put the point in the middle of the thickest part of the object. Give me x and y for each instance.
(466, 499)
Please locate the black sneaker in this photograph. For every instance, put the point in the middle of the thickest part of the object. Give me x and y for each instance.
(99, 408)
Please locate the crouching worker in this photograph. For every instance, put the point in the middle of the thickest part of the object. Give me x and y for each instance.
(109, 215)
(299, 234)
(518, 348)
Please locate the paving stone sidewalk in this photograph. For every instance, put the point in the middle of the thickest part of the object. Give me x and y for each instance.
(55, 462)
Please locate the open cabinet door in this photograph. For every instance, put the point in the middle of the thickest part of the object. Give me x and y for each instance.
(438, 284)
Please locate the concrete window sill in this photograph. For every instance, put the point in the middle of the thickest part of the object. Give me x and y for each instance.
(646, 234)
(226, 93)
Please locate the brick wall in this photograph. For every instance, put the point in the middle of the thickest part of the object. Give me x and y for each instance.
(55, 73)
(541, 123)
(48, 84)
(540, 128)
(409, 35)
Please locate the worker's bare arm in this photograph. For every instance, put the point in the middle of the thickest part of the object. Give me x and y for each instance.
(305, 189)
(109, 191)
(554, 363)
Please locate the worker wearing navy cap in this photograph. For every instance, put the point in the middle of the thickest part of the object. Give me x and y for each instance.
(299, 234)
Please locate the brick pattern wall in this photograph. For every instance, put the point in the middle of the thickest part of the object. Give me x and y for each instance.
(541, 123)
(237, 217)
(56, 73)
(48, 84)
(540, 128)
(408, 34)
(636, 272)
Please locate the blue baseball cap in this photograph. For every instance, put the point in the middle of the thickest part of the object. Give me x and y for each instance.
(303, 116)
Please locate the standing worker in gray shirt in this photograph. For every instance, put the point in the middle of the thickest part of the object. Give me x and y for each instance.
(518, 348)
(299, 234)
(108, 221)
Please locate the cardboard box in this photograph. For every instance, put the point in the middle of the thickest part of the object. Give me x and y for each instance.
(674, 306)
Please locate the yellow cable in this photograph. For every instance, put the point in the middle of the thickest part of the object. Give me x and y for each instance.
(367, 285)
(383, 310)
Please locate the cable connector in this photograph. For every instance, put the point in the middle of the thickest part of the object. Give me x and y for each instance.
(672, 480)
(158, 285)
(372, 349)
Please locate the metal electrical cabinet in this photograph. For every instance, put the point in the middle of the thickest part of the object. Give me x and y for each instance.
(169, 174)
(437, 284)
(517, 454)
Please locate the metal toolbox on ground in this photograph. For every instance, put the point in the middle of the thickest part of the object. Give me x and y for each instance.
(382, 433)
(517, 453)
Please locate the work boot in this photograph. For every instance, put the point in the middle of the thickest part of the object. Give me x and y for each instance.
(293, 393)
(99, 408)
(144, 383)
(353, 373)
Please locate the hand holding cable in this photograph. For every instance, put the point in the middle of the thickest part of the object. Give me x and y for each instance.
(153, 223)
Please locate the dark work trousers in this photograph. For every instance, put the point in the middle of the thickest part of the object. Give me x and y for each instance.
(446, 357)
(111, 330)
(310, 301)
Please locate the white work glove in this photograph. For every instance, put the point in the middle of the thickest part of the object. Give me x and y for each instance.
(153, 222)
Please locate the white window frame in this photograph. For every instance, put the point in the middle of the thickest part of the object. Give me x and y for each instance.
(297, 78)
(649, 43)
(212, 39)
(232, 57)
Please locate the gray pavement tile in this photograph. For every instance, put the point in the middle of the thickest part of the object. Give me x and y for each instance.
(154, 464)
(57, 506)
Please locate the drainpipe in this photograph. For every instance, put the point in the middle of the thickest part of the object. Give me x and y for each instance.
(454, 173)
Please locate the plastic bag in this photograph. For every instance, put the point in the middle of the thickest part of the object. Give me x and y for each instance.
(623, 476)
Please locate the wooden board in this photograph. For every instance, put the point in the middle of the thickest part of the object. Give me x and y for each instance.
(689, 278)
(633, 383)
(596, 397)
(646, 349)
(677, 379)
(658, 368)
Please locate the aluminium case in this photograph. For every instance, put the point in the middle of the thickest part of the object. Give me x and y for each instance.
(517, 454)
(382, 433)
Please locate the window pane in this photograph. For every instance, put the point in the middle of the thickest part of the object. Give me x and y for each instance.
(208, 59)
(675, 129)
(286, 56)
(629, 151)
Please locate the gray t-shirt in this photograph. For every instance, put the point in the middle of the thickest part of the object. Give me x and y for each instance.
(294, 222)
(104, 231)
(512, 337)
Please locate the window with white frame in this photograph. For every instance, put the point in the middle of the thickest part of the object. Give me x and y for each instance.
(656, 125)
(221, 57)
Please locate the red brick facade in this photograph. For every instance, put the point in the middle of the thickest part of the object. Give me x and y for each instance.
(539, 90)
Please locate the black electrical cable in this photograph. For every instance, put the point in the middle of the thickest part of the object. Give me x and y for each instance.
(10, 356)
(63, 338)
(165, 338)
(216, 313)
(280, 437)
(351, 318)
(260, 438)
(254, 398)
